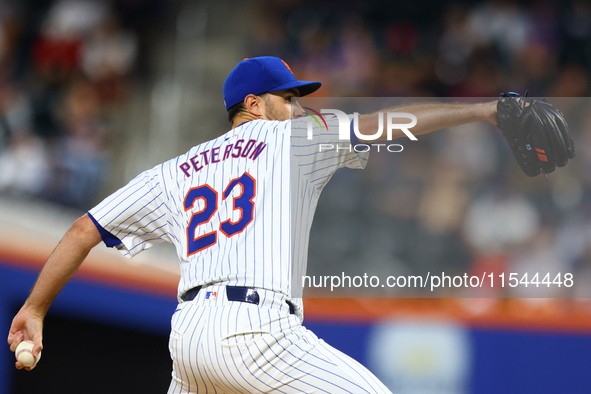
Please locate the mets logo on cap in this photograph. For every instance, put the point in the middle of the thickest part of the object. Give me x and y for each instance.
(258, 75)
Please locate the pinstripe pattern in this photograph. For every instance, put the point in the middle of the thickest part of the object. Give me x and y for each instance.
(311, 171)
(218, 346)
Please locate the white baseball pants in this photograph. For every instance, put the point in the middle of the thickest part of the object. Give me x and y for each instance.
(221, 346)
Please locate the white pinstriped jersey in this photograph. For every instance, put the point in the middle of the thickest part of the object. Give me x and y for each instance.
(237, 208)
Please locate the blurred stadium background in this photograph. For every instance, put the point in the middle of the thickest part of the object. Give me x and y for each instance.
(93, 92)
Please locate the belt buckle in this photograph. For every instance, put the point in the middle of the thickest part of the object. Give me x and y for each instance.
(242, 294)
(252, 296)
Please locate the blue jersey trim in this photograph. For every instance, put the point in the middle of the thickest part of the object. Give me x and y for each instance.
(109, 239)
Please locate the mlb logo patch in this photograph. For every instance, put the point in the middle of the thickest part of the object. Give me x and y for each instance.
(211, 295)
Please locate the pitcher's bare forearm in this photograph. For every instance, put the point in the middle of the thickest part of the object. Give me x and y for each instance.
(62, 264)
(432, 117)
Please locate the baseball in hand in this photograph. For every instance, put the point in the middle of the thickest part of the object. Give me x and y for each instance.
(24, 353)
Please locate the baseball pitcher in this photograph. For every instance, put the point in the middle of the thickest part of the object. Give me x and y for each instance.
(238, 210)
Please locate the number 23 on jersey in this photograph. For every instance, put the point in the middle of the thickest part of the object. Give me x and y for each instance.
(243, 203)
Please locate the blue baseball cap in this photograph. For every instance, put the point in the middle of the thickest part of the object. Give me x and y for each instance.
(259, 75)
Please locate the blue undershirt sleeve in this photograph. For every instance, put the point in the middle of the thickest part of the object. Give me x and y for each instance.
(109, 239)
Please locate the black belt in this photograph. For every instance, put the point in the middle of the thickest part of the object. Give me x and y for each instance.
(235, 293)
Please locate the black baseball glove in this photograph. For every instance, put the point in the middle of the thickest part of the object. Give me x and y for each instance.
(537, 133)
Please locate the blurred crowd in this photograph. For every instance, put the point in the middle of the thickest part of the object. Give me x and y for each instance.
(430, 48)
(456, 202)
(66, 71)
